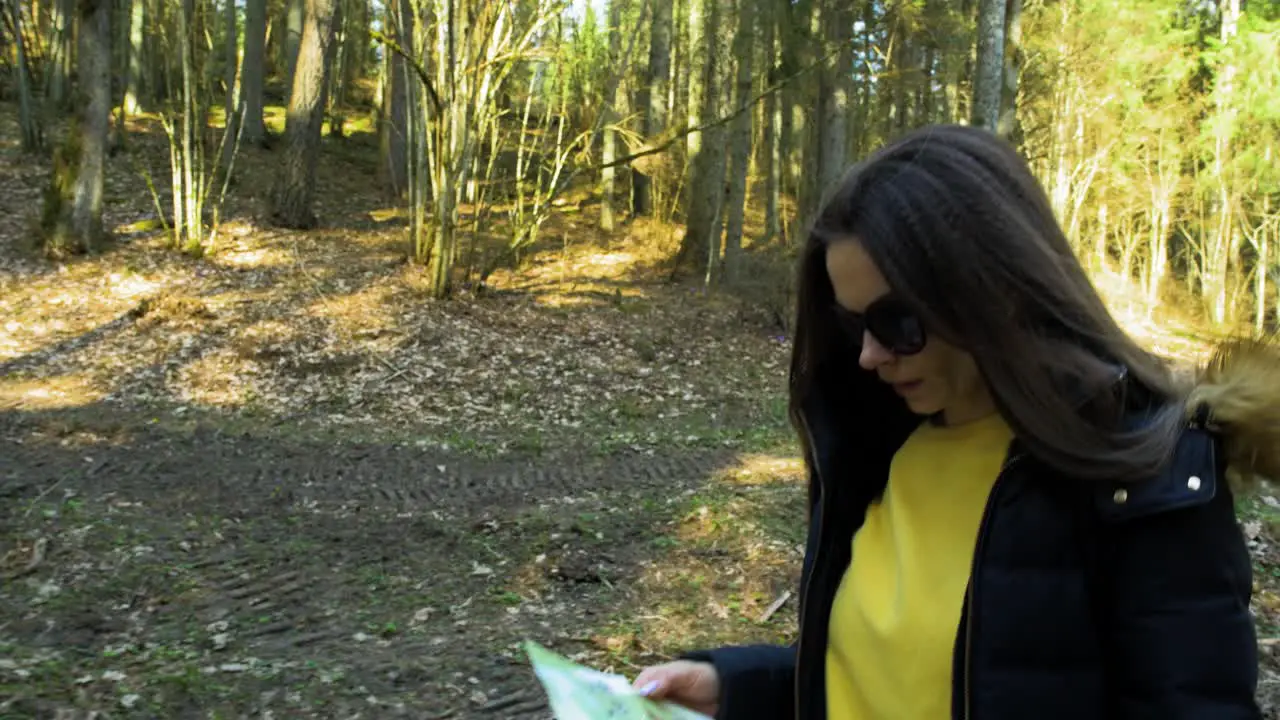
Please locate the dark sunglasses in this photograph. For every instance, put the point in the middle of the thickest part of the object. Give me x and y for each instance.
(889, 320)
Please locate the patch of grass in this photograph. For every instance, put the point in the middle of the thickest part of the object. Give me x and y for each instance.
(725, 555)
(692, 433)
(665, 542)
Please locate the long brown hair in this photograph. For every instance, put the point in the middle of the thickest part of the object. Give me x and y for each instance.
(962, 230)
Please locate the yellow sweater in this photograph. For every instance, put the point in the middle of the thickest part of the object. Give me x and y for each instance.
(896, 613)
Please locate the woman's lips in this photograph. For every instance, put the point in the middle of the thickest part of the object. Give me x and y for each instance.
(906, 388)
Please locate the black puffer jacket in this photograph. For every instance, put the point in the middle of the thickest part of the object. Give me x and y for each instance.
(1087, 599)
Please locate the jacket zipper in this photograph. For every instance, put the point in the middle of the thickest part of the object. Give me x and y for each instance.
(804, 589)
(969, 596)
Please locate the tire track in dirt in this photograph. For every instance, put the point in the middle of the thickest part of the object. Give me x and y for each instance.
(501, 484)
(260, 474)
(268, 611)
(275, 604)
(350, 509)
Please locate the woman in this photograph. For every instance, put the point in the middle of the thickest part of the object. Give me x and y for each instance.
(1015, 511)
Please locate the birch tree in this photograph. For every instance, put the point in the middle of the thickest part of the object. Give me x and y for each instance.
(473, 47)
(609, 142)
(988, 80)
(771, 115)
(1222, 237)
(739, 139)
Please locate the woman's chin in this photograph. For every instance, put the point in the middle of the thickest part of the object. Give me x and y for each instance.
(922, 406)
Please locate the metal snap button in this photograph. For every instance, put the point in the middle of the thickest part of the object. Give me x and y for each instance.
(1121, 496)
(1193, 482)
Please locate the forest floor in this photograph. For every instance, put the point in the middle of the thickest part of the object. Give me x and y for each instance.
(280, 481)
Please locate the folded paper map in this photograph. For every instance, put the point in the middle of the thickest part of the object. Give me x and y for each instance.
(581, 693)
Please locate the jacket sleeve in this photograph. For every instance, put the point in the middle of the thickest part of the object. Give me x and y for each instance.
(1182, 640)
(757, 682)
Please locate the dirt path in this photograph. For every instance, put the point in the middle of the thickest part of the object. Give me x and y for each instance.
(180, 574)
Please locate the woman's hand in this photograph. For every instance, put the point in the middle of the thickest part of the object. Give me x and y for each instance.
(694, 685)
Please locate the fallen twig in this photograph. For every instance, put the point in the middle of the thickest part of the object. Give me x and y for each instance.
(394, 375)
(396, 372)
(777, 605)
(505, 702)
(40, 497)
(37, 558)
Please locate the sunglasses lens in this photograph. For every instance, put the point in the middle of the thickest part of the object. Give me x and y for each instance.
(892, 323)
(896, 327)
(900, 332)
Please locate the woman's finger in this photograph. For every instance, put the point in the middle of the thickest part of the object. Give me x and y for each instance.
(650, 689)
(653, 681)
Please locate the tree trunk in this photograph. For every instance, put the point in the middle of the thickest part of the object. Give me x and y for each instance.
(30, 128)
(1063, 110)
(451, 140)
(678, 86)
(157, 65)
(1163, 179)
(186, 202)
(355, 46)
(295, 183)
(988, 78)
(400, 110)
(77, 211)
(925, 109)
(94, 83)
(653, 97)
(1008, 126)
(705, 190)
(860, 134)
(772, 118)
(904, 71)
(1159, 253)
(833, 140)
(739, 140)
(1101, 239)
(1224, 234)
(798, 53)
(294, 26)
(231, 58)
(609, 139)
(133, 68)
(59, 78)
(333, 80)
(251, 73)
(1263, 266)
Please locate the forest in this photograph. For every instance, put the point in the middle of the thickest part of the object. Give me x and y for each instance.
(346, 344)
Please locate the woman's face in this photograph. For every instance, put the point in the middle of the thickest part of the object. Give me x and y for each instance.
(938, 378)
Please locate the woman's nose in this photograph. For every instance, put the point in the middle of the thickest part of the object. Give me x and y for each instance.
(873, 354)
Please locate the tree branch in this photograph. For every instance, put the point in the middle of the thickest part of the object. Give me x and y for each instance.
(670, 138)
